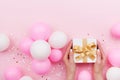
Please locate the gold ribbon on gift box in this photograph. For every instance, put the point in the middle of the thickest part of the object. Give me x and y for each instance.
(86, 51)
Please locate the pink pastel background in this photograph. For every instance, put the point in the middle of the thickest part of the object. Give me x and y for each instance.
(78, 18)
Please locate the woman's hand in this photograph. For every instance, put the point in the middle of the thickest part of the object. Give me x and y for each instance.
(99, 65)
(69, 62)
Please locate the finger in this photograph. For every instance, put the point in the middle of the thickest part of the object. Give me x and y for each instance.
(69, 46)
(98, 61)
(65, 58)
(101, 50)
(68, 49)
(71, 56)
(104, 58)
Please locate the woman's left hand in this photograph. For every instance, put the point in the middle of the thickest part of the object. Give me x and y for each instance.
(69, 62)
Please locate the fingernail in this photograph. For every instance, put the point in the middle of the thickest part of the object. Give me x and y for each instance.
(98, 50)
(70, 50)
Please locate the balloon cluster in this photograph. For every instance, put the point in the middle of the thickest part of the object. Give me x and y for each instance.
(43, 46)
(114, 56)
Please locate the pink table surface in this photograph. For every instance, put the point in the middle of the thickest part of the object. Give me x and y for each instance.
(78, 18)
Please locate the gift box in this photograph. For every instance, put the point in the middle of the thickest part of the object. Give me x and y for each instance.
(84, 50)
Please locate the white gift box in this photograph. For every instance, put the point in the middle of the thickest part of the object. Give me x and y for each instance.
(85, 50)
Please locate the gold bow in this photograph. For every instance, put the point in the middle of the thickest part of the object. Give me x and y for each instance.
(86, 51)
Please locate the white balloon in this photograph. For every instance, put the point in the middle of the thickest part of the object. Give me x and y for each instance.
(113, 73)
(4, 42)
(58, 39)
(26, 78)
(40, 50)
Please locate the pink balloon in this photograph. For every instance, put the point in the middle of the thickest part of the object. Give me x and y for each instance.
(25, 45)
(41, 67)
(13, 73)
(40, 31)
(55, 55)
(114, 57)
(115, 31)
(84, 75)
